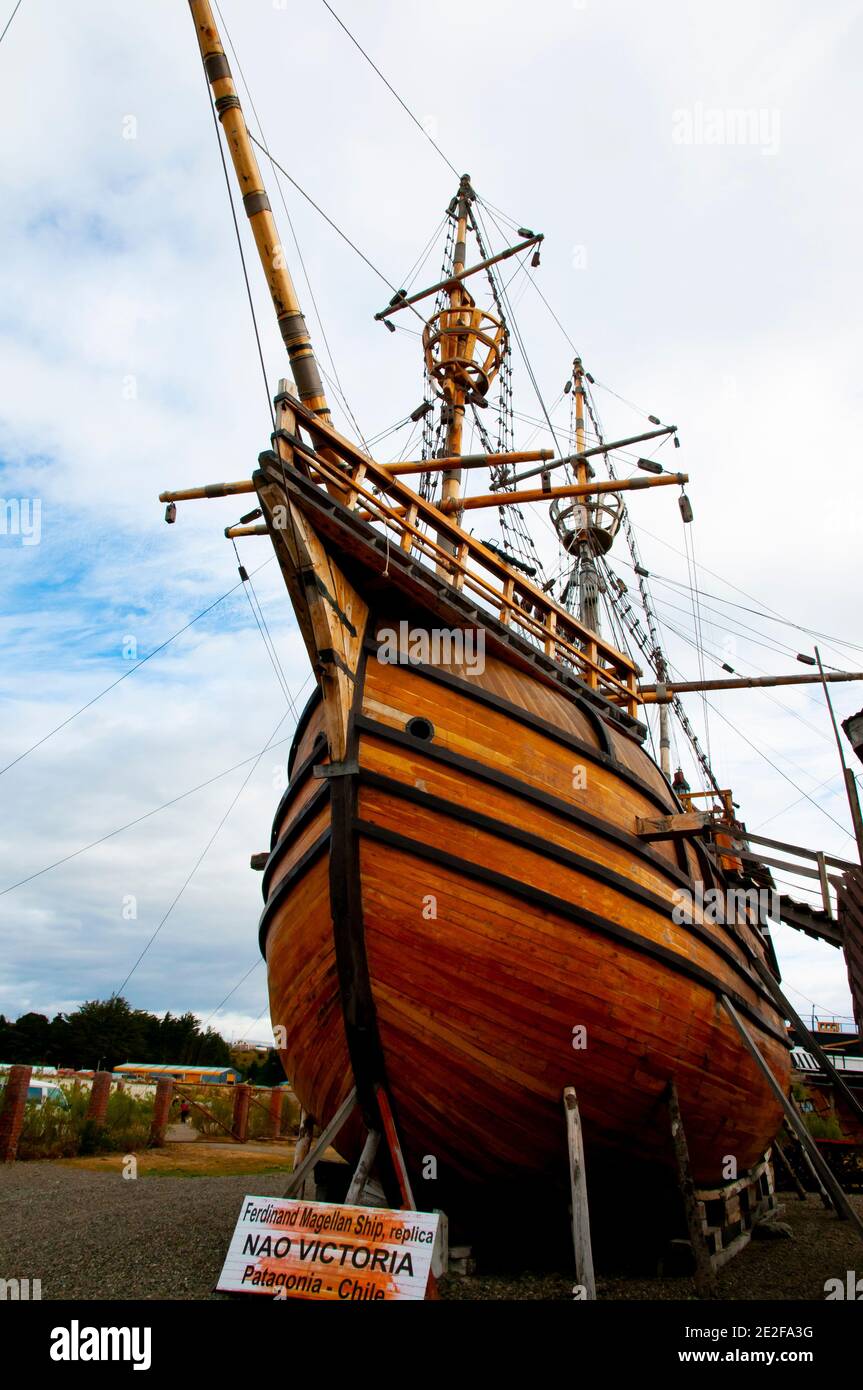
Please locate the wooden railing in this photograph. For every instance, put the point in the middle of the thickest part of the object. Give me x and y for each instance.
(421, 529)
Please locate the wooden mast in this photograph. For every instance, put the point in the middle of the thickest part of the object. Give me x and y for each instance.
(453, 387)
(588, 584)
(290, 317)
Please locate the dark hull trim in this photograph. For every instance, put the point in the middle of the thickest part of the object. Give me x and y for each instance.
(535, 794)
(302, 724)
(301, 775)
(589, 867)
(549, 903)
(312, 808)
(605, 752)
(302, 866)
(346, 910)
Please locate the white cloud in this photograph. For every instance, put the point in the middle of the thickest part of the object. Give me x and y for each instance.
(720, 291)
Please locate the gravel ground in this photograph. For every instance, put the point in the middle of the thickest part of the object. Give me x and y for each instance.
(97, 1235)
(93, 1235)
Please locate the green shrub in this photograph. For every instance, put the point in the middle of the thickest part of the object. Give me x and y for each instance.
(55, 1131)
(824, 1127)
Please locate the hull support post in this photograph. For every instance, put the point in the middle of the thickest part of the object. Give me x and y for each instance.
(363, 1169)
(578, 1185)
(318, 1149)
(705, 1275)
(787, 1165)
(844, 1209)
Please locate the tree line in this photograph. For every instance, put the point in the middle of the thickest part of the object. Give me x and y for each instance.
(104, 1033)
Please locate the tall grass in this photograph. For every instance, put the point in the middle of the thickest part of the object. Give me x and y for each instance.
(54, 1131)
(221, 1106)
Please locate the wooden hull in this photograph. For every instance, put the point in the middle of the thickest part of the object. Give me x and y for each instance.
(472, 918)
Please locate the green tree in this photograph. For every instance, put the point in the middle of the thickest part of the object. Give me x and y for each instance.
(107, 1032)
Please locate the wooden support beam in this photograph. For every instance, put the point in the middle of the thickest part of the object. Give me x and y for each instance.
(826, 1201)
(671, 688)
(668, 827)
(775, 863)
(363, 1168)
(232, 531)
(400, 1167)
(812, 1043)
(578, 1188)
(395, 1148)
(452, 281)
(844, 1209)
(512, 499)
(598, 449)
(789, 1168)
(193, 494)
(467, 461)
(705, 1275)
(319, 1148)
(813, 854)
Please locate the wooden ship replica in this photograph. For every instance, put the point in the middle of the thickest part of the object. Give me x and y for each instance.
(471, 888)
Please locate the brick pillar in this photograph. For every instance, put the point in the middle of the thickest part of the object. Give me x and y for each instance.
(161, 1110)
(97, 1110)
(240, 1122)
(277, 1098)
(12, 1114)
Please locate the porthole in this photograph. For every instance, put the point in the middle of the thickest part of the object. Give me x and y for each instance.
(420, 728)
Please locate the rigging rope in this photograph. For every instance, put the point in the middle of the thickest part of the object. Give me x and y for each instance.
(337, 379)
(202, 856)
(166, 805)
(390, 87)
(242, 253)
(652, 649)
(131, 671)
(8, 23)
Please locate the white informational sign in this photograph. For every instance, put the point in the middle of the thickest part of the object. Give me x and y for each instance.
(291, 1248)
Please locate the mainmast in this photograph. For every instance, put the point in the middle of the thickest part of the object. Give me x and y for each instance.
(453, 386)
(463, 345)
(257, 205)
(586, 527)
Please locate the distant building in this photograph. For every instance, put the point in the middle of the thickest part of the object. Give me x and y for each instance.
(817, 1096)
(184, 1072)
(246, 1054)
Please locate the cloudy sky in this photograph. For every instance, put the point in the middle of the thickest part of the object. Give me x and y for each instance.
(696, 172)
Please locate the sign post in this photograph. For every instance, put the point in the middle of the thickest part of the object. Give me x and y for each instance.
(291, 1248)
